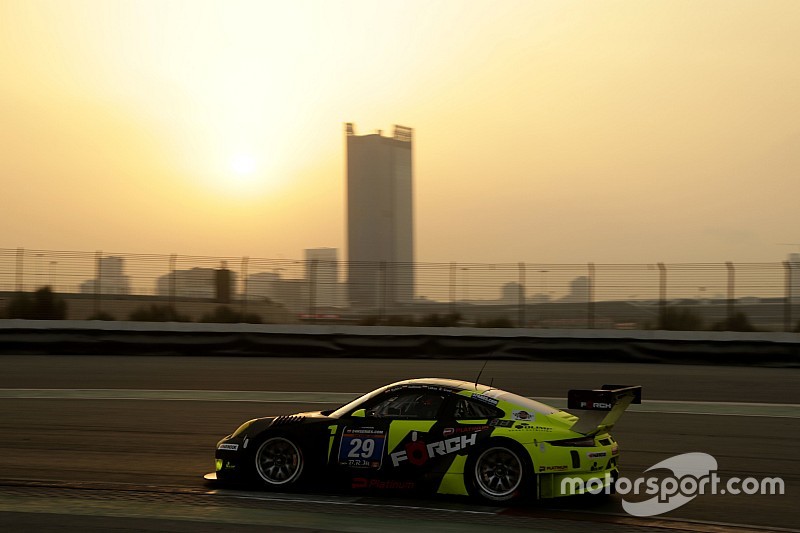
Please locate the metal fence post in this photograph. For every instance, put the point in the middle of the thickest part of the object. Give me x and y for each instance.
(590, 296)
(452, 288)
(731, 292)
(545, 300)
(98, 282)
(244, 285)
(662, 295)
(787, 301)
(521, 317)
(172, 279)
(20, 267)
(312, 290)
(383, 290)
(391, 284)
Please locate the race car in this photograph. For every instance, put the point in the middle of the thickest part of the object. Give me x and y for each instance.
(437, 436)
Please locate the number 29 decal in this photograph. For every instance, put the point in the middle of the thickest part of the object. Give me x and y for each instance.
(362, 447)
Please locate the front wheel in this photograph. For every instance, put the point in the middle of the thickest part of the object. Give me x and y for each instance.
(279, 462)
(498, 474)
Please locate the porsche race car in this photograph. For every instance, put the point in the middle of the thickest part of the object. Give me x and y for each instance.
(437, 436)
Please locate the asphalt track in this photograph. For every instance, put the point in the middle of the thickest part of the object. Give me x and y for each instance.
(110, 443)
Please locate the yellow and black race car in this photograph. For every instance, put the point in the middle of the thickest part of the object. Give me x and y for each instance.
(439, 436)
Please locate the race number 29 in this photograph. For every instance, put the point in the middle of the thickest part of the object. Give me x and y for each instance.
(362, 447)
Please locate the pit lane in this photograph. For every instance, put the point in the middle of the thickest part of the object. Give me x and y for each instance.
(136, 453)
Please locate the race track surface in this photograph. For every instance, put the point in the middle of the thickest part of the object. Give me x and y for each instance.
(104, 443)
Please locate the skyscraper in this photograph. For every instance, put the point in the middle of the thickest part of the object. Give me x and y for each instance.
(380, 221)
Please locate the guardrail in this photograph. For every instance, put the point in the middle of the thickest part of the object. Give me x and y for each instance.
(146, 338)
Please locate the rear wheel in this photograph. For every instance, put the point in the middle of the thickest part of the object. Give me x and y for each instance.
(279, 462)
(498, 473)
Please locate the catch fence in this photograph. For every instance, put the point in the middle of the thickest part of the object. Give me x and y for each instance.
(763, 296)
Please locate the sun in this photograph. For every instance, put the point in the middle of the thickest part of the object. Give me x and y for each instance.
(244, 173)
(238, 174)
(243, 165)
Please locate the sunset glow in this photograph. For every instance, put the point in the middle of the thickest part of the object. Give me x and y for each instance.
(549, 131)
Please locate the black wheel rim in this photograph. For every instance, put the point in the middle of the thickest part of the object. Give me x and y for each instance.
(498, 472)
(278, 461)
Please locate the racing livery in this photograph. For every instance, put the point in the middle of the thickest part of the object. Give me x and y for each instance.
(434, 435)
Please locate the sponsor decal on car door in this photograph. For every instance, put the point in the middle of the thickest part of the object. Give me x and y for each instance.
(362, 447)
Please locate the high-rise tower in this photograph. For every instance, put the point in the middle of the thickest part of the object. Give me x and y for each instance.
(380, 221)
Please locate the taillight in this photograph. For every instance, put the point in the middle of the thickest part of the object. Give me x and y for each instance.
(582, 442)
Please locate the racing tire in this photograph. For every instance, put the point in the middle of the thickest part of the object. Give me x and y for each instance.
(498, 473)
(613, 488)
(278, 462)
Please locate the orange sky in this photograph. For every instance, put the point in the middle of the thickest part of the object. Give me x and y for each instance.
(546, 131)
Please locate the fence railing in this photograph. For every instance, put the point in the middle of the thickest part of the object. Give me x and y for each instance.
(724, 295)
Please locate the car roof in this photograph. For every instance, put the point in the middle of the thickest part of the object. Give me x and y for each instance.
(455, 385)
(442, 382)
(483, 390)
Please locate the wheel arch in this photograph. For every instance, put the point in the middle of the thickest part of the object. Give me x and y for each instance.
(518, 447)
(530, 479)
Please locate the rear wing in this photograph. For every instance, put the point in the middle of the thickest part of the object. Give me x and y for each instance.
(601, 408)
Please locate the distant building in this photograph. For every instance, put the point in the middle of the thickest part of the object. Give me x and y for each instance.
(193, 283)
(111, 278)
(262, 285)
(512, 293)
(293, 294)
(579, 290)
(322, 274)
(539, 298)
(380, 221)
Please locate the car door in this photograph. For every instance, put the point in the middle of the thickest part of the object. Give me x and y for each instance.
(383, 445)
(438, 431)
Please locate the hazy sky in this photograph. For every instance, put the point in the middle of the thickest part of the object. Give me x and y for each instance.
(546, 131)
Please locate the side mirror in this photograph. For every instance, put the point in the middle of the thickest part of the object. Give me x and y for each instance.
(360, 413)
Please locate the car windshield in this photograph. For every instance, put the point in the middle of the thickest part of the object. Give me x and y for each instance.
(348, 407)
(408, 404)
